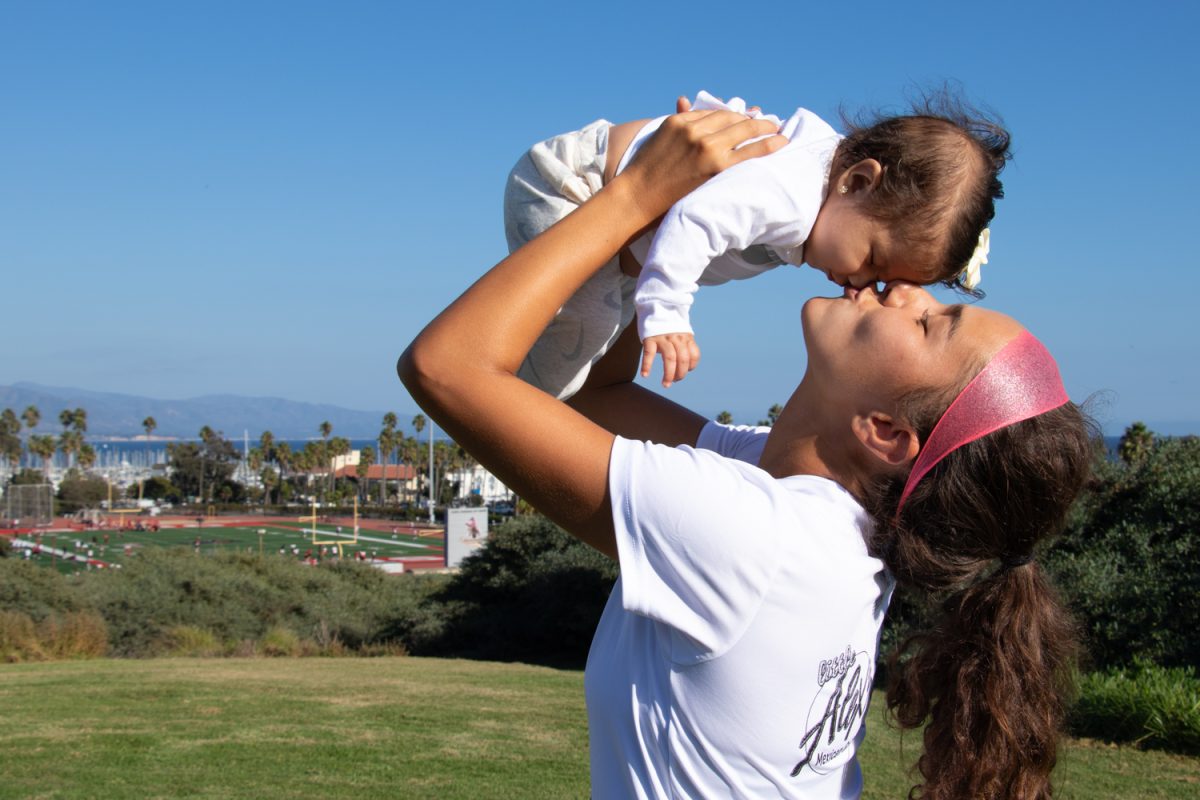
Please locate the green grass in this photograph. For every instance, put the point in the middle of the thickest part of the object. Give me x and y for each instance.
(214, 538)
(395, 727)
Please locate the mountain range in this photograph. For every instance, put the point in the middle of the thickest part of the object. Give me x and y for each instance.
(120, 415)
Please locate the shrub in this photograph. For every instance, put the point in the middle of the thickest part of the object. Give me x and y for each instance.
(190, 641)
(1129, 561)
(280, 641)
(18, 638)
(532, 593)
(76, 634)
(1147, 705)
(163, 589)
(237, 597)
(34, 590)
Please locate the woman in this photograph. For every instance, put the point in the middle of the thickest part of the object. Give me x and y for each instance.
(735, 656)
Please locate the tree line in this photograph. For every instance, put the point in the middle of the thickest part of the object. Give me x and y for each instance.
(205, 470)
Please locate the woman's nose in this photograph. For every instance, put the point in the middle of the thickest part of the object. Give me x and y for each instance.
(902, 293)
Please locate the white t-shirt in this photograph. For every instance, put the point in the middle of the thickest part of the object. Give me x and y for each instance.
(744, 221)
(736, 653)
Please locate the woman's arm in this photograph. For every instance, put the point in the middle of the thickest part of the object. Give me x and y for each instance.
(462, 368)
(612, 400)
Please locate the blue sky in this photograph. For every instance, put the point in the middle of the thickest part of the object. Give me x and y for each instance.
(271, 198)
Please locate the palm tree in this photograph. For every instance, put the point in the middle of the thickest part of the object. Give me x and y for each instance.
(725, 418)
(31, 417)
(87, 456)
(445, 459)
(466, 466)
(418, 424)
(339, 447)
(70, 443)
(410, 452)
(366, 457)
(10, 438)
(74, 424)
(283, 457)
(206, 436)
(254, 464)
(66, 442)
(149, 423)
(43, 447)
(266, 443)
(326, 428)
(387, 443)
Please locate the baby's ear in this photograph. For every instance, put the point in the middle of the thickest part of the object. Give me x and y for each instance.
(862, 177)
(891, 441)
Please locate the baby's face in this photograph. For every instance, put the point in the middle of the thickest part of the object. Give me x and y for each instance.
(855, 249)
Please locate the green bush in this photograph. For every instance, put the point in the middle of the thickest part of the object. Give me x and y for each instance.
(239, 597)
(532, 593)
(1129, 561)
(192, 642)
(1147, 705)
(35, 591)
(281, 641)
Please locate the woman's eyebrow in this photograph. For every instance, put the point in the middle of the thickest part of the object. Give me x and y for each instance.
(955, 313)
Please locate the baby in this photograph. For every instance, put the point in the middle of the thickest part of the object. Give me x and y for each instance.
(902, 198)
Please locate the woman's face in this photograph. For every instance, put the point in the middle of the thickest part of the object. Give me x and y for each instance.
(868, 348)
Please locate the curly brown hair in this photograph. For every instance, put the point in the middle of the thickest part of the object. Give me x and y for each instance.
(992, 676)
(941, 175)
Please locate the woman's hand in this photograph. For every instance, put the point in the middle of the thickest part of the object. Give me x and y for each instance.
(691, 147)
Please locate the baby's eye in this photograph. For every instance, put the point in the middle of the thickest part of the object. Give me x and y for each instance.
(925, 321)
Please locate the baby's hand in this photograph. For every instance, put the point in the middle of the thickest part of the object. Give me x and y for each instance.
(680, 355)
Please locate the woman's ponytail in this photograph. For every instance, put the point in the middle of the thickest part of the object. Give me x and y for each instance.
(990, 677)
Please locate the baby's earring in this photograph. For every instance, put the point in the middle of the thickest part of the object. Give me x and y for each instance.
(843, 189)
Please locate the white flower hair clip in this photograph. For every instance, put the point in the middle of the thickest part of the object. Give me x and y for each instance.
(970, 273)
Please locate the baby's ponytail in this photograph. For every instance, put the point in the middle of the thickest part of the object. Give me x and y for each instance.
(991, 675)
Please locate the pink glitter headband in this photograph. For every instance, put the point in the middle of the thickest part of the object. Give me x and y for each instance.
(1021, 381)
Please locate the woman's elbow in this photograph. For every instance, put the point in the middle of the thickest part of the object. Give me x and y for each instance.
(416, 370)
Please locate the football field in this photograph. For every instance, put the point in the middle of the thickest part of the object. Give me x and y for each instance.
(392, 546)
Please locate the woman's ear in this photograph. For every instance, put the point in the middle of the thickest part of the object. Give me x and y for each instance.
(862, 177)
(891, 441)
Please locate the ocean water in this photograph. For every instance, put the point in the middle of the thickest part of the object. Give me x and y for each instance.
(142, 455)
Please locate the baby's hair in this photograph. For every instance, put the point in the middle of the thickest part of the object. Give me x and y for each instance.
(941, 167)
